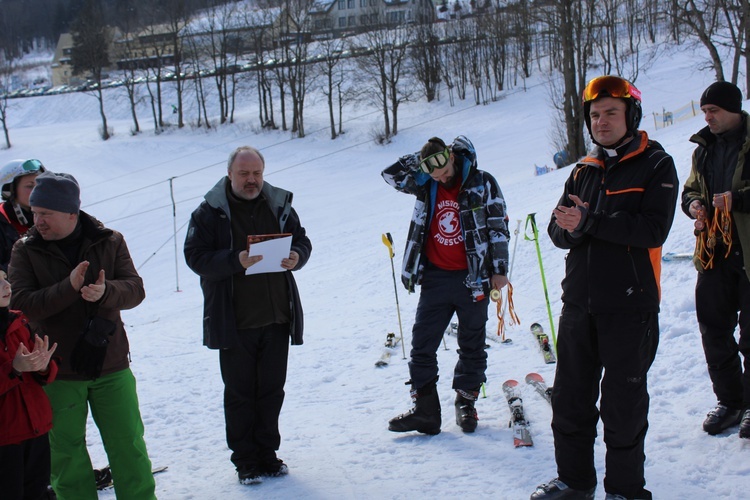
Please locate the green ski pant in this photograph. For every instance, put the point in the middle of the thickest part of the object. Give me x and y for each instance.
(114, 408)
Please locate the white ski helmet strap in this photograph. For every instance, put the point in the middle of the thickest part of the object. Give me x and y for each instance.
(17, 168)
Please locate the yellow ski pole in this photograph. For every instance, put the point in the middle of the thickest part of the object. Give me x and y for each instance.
(388, 242)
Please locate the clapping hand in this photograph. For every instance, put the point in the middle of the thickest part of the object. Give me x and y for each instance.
(36, 360)
(94, 291)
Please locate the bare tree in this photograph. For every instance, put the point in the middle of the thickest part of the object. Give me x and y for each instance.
(457, 61)
(6, 72)
(215, 36)
(259, 39)
(89, 55)
(126, 55)
(425, 58)
(521, 19)
(177, 17)
(496, 24)
(735, 27)
(154, 48)
(329, 65)
(384, 61)
(572, 21)
(703, 22)
(295, 43)
(193, 57)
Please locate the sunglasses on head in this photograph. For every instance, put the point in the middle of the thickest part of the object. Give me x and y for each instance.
(435, 161)
(610, 86)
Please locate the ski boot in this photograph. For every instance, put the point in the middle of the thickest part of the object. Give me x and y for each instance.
(466, 413)
(424, 417)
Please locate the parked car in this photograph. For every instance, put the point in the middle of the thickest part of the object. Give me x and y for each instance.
(58, 89)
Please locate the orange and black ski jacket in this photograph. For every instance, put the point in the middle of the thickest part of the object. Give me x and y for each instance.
(613, 261)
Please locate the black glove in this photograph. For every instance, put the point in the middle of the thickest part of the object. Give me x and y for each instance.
(87, 358)
(410, 161)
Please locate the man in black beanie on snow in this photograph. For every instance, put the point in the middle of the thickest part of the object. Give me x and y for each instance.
(717, 196)
(72, 276)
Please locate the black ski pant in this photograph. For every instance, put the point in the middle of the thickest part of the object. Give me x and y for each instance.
(25, 469)
(254, 374)
(720, 293)
(623, 346)
(442, 294)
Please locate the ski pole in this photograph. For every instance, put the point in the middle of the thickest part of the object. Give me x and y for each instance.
(535, 239)
(501, 318)
(388, 242)
(515, 244)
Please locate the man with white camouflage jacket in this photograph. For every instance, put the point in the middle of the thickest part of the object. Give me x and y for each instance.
(457, 250)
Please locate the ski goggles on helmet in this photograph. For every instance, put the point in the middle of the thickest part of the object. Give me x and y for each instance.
(610, 86)
(32, 166)
(435, 161)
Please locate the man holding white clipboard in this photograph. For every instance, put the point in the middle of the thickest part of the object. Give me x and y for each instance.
(251, 303)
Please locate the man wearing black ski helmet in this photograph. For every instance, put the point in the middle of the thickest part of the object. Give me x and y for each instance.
(614, 86)
(613, 217)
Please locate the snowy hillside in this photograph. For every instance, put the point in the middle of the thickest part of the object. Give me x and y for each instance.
(334, 421)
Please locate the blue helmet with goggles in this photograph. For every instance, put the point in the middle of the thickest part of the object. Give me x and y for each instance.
(619, 88)
(15, 169)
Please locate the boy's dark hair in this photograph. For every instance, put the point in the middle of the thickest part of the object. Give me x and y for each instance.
(433, 145)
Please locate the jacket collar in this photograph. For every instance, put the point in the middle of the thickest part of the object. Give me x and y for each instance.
(92, 229)
(704, 137)
(635, 147)
(276, 198)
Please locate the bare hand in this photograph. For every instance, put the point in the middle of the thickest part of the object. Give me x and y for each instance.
(248, 261)
(95, 291)
(498, 281)
(568, 218)
(78, 275)
(698, 212)
(35, 361)
(291, 261)
(723, 201)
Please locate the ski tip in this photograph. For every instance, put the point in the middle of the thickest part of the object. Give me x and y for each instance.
(534, 377)
(510, 383)
(536, 327)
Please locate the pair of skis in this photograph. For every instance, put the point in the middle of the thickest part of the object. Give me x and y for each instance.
(518, 421)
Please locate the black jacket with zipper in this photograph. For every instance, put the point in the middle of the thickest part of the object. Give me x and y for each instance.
(614, 259)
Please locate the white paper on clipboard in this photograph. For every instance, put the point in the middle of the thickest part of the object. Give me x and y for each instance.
(272, 250)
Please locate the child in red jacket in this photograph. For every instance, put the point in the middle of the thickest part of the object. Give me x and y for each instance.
(25, 411)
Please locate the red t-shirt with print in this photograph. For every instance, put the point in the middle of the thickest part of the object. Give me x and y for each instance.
(445, 241)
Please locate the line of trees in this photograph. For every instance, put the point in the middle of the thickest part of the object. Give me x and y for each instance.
(481, 50)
